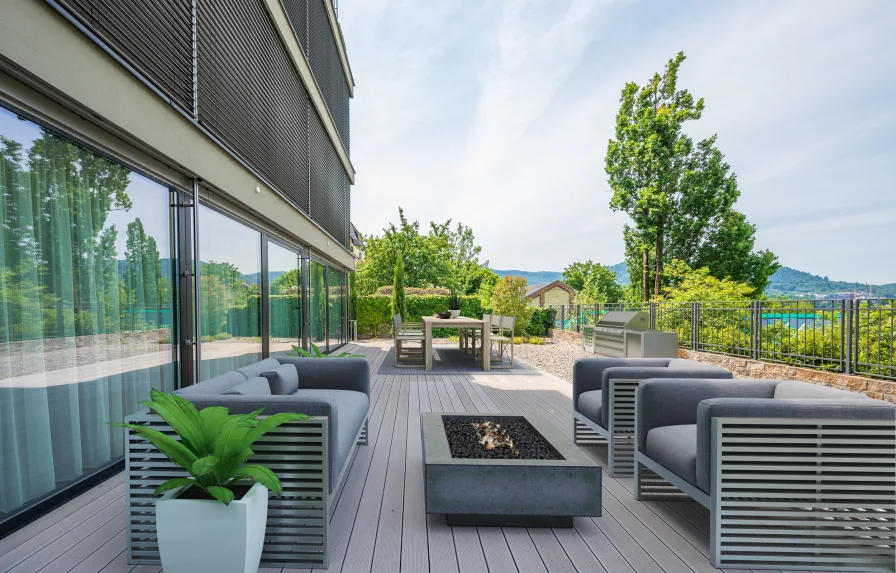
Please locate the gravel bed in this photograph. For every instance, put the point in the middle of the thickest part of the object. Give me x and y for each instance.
(555, 357)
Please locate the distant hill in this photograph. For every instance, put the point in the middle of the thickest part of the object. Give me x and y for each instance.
(791, 282)
(532, 277)
(786, 282)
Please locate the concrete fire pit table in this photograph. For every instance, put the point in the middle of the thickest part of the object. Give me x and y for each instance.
(508, 492)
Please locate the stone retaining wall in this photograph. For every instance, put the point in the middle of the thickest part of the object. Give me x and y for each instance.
(744, 368)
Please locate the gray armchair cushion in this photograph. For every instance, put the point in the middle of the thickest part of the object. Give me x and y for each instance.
(791, 390)
(213, 386)
(283, 380)
(587, 373)
(673, 402)
(590, 405)
(675, 448)
(253, 370)
(830, 409)
(331, 373)
(257, 386)
(645, 373)
(688, 364)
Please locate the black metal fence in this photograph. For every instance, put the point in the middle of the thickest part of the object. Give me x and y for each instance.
(848, 336)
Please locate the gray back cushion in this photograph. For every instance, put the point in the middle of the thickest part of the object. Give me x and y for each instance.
(253, 370)
(793, 390)
(685, 363)
(284, 379)
(257, 386)
(214, 386)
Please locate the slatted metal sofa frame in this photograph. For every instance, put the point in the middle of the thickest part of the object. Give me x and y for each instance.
(614, 381)
(298, 520)
(798, 483)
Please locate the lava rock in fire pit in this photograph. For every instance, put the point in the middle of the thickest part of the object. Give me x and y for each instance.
(463, 441)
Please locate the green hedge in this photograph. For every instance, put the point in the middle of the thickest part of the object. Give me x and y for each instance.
(375, 318)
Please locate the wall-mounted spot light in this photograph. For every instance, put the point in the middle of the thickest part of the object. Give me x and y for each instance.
(258, 189)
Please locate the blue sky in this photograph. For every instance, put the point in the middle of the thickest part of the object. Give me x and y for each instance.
(497, 114)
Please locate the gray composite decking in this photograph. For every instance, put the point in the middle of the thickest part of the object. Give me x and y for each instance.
(379, 524)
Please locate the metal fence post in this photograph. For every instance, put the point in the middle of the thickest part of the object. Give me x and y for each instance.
(850, 340)
(578, 318)
(562, 318)
(652, 316)
(695, 329)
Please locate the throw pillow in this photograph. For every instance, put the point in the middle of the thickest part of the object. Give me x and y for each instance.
(283, 380)
(257, 386)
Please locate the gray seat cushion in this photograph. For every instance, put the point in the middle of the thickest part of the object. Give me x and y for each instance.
(257, 386)
(793, 390)
(589, 405)
(284, 379)
(685, 363)
(213, 386)
(253, 370)
(675, 448)
(348, 409)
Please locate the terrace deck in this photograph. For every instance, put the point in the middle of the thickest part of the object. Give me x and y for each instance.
(380, 525)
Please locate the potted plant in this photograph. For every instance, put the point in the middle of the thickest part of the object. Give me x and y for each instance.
(316, 353)
(454, 304)
(216, 515)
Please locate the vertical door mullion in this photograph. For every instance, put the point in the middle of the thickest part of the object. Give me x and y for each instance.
(182, 319)
(265, 300)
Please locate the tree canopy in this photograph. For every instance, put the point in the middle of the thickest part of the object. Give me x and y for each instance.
(593, 282)
(679, 194)
(684, 284)
(446, 256)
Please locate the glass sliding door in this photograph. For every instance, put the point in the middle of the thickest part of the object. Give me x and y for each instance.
(230, 294)
(284, 299)
(336, 302)
(86, 308)
(317, 303)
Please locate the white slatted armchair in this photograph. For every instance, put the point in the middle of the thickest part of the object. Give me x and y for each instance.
(502, 340)
(795, 475)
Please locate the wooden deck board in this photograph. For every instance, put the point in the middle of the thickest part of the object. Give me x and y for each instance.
(379, 523)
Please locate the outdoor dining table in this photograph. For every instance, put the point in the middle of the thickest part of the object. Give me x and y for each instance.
(460, 322)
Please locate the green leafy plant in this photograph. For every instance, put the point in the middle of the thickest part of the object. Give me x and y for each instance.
(453, 301)
(214, 445)
(316, 353)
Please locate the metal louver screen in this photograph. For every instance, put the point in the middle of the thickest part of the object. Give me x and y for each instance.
(250, 95)
(153, 36)
(297, 12)
(326, 66)
(329, 185)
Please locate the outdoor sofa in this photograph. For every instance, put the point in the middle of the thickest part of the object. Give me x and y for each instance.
(795, 475)
(603, 400)
(310, 457)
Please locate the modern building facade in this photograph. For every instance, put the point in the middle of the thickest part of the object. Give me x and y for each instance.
(175, 182)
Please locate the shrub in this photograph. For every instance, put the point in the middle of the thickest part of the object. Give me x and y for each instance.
(207, 338)
(223, 336)
(509, 299)
(529, 340)
(542, 320)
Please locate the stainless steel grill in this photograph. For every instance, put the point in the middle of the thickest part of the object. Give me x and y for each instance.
(607, 336)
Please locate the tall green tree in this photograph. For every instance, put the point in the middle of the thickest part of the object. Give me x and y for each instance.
(446, 256)
(593, 282)
(399, 304)
(678, 193)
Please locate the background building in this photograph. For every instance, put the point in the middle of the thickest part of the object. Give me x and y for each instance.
(555, 292)
(175, 181)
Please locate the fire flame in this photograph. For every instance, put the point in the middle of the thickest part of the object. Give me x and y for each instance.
(492, 435)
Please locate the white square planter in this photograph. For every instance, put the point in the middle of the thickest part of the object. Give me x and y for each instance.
(204, 535)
